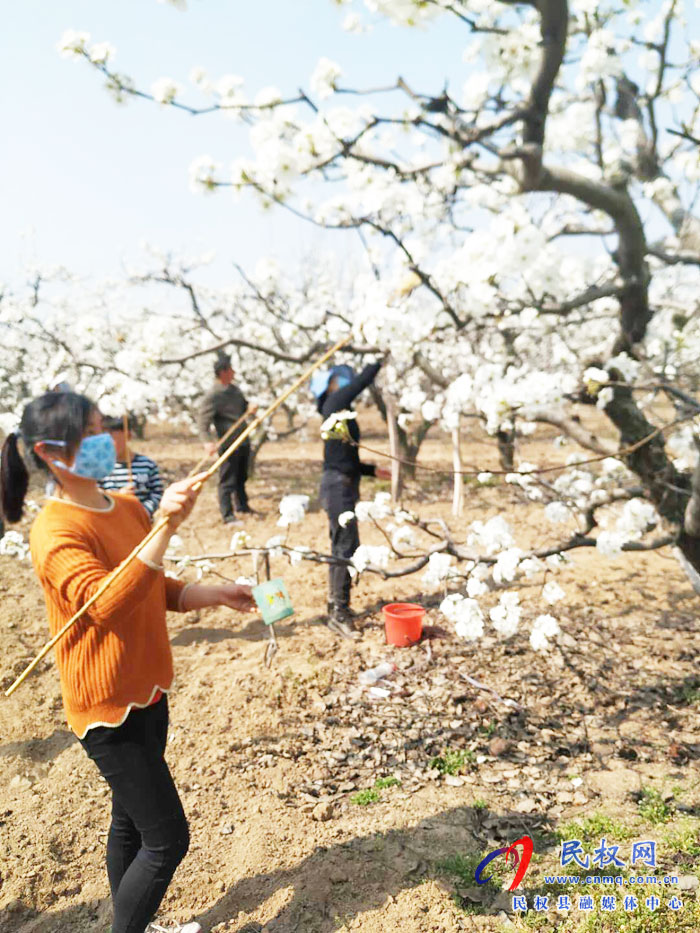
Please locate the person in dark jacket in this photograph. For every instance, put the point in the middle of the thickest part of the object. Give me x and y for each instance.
(221, 407)
(336, 390)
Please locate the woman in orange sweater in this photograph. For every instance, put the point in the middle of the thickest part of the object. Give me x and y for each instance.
(115, 663)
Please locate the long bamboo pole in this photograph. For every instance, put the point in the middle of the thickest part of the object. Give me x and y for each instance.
(116, 573)
(222, 440)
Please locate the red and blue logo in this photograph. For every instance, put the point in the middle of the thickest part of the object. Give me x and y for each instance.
(520, 861)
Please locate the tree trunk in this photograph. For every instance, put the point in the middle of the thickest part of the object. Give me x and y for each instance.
(137, 425)
(506, 448)
(410, 444)
(669, 490)
(394, 447)
(407, 451)
(458, 488)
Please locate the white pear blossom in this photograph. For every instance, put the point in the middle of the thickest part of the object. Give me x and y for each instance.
(430, 410)
(557, 512)
(637, 516)
(506, 615)
(605, 396)
(12, 544)
(239, 541)
(552, 593)
(466, 615)
(274, 545)
(493, 535)
(353, 23)
(101, 52)
(376, 510)
(165, 90)
(335, 425)
(292, 510)
(530, 567)
(204, 173)
(544, 628)
(631, 524)
(229, 90)
(366, 555)
(8, 422)
(594, 378)
(440, 569)
(199, 77)
(296, 555)
(627, 366)
(325, 77)
(403, 537)
(72, 43)
(506, 566)
(476, 587)
(609, 543)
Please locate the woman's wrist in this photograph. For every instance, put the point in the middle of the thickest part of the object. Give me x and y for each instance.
(199, 596)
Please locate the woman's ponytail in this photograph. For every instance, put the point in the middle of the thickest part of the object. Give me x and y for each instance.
(14, 479)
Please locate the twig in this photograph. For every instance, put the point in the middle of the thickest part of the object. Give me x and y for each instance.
(623, 452)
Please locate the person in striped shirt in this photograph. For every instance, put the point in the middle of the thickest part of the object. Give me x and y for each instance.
(146, 483)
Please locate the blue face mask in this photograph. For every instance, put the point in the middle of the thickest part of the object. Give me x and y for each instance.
(95, 459)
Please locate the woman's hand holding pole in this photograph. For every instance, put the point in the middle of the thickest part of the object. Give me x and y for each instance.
(175, 506)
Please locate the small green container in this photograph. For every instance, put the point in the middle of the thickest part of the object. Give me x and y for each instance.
(273, 600)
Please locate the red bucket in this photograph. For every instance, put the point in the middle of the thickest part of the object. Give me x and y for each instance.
(403, 623)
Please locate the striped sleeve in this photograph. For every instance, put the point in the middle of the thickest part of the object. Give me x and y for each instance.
(145, 478)
(154, 488)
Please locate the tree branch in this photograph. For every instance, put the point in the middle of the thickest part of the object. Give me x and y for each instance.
(574, 429)
(616, 202)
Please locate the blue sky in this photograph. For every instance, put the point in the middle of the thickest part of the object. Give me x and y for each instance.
(86, 179)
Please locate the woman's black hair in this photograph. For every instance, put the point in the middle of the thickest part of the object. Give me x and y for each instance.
(55, 416)
(14, 479)
(222, 363)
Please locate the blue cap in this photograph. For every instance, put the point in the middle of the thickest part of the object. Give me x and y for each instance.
(319, 382)
(343, 374)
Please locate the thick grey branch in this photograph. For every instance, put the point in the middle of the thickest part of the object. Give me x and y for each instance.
(616, 202)
(239, 342)
(691, 521)
(574, 429)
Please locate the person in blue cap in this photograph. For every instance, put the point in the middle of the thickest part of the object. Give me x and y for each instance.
(336, 390)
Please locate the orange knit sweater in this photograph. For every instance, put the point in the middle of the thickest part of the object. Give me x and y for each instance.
(118, 654)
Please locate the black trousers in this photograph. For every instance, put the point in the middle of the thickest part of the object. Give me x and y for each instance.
(148, 836)
(340, 493)
(233, 474)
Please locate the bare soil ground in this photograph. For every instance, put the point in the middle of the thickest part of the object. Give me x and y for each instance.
(272, 764)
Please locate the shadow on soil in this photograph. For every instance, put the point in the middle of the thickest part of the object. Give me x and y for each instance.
(255, 630)
(40, 750)
(337, 883)
(333, 884)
